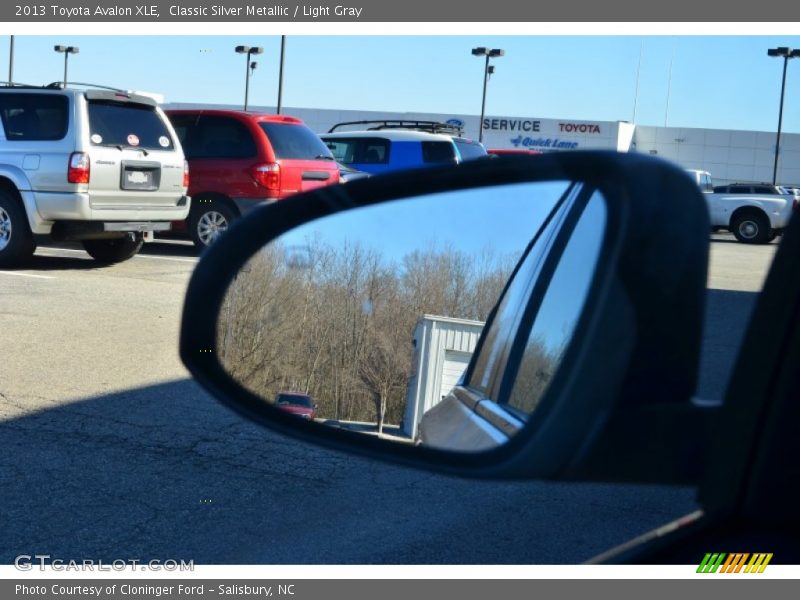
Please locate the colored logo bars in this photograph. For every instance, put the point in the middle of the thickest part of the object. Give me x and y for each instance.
(734, 563)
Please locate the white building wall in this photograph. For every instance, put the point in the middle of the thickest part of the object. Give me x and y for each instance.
(728, 155)
(434, 336)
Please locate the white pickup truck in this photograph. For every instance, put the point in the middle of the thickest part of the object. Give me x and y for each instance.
(754, 213)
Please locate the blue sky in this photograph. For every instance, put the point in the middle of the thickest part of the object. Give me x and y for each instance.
(719, 82)
(465, 220)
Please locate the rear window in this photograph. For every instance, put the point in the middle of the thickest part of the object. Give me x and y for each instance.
(127, 124)
(34, 117)
(295, 141)
(438, 152)
(470, 150)
(370, 151)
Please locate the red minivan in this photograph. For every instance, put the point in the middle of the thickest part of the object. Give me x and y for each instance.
(238, 160)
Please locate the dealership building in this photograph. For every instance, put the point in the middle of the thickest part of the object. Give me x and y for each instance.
(729, 155)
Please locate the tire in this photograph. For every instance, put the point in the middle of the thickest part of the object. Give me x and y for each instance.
(751, 227)
(16, 241)
(210, 220)
(113, 251)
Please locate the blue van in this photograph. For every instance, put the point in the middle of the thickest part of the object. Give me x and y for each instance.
(394, 145)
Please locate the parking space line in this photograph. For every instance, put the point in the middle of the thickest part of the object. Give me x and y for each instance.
(189, 260)
(26, 275)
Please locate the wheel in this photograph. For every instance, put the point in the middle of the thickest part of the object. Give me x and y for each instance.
(113, 251)
(210, 220)
(751, 228)
(16, 241)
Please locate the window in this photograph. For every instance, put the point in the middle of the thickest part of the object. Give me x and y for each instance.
(127, 124)
(290, 140)
(214, 138)
(295, 400)
(739, 189)
(372, 151)
(34, 117)
(764, 189)
(469, 150)
(438, 152)
(183, 125)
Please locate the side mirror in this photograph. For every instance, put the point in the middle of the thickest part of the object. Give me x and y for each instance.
(526, 316)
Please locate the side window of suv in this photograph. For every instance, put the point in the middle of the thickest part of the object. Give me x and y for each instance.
(217, 138)
(438, 152)
(182, 126)
(34, 117)
(372, 151)
(739, 189)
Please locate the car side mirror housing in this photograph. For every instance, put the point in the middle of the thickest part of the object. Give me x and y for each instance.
(521, 317)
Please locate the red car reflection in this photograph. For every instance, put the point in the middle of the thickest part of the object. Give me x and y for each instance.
(297, 403)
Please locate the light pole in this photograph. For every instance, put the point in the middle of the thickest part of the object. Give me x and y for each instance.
(280, 75)
(11, 61)
(67, 50)
(249, 51)
(786, 54)
(488, 53)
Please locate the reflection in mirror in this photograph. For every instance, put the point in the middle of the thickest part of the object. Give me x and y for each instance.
(366, 319)
(523, 347)
(560, 309)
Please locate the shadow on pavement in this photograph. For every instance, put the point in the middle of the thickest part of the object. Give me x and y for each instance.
(39, 262)
(165, 472)
(162, 247)
(727, 315)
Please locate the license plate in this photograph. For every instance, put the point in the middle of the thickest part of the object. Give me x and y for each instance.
(139, 178)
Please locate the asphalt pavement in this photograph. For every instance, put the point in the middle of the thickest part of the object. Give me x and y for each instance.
(109, 451)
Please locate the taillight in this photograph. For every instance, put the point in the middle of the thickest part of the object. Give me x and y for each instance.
(794, 203)
(268, 175)
(186, 173)
(78, 170)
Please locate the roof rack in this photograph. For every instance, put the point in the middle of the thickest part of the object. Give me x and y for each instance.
(16, 84)
(60, 85)
(429, 126)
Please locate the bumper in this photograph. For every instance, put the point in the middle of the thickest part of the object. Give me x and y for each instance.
(98, 230)
(51, 207)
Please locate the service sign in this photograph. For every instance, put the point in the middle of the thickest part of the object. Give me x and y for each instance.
(547, 134)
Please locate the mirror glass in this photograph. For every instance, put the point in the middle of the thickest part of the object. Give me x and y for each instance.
(367, 319)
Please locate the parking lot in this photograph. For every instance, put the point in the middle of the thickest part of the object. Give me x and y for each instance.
(109, 451)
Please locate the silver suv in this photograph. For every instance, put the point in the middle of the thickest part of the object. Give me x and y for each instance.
(100, 166)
